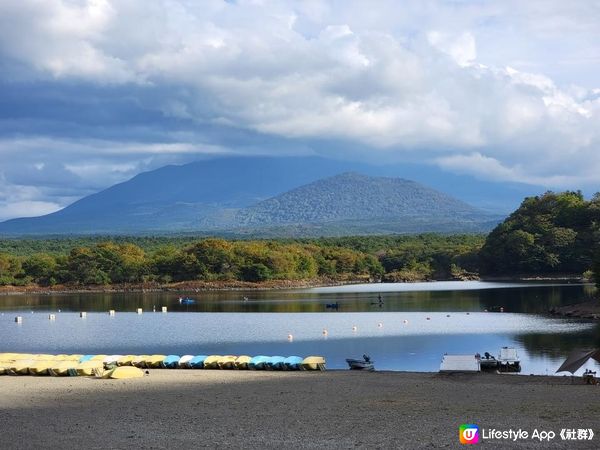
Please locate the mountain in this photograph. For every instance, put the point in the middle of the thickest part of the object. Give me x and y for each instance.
(238, 195)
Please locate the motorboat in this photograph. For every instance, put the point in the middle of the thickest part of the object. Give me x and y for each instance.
(487, 361)
(361, 364)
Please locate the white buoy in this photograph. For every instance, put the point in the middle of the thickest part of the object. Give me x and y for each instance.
(164, 309)
(83, 314)
(325, 332)
(52, 317)
(290, 337)
(354, 328)
(380, 325)
(405, 321)
(153, 308)
(111, 312)
(139, 310)
(18, 319)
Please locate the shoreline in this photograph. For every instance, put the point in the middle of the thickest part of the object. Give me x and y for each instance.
(251, 409)
(584, 310)
(207, 286)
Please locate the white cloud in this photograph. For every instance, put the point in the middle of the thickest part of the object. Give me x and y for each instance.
(501, 89)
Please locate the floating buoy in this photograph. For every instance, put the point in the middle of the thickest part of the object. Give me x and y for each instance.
(52, 317)
(468, 314)
(153, 308)
(164, 309)
(325, 332)
(18, 319)
(485, 310)
(290, 337)
(354, 328)
(447, 315)
(111, 312)
(83, 314)
(429, 318)
(405, 321)
(502, 309)
(139, 310)
(380, 325)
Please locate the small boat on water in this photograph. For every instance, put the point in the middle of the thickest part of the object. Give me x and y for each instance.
(186, 301)
(361, 364)
(313, 363)
(335, 305)
(197, 362)
(293, 363)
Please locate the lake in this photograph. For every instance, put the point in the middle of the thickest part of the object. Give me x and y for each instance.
(410, 329)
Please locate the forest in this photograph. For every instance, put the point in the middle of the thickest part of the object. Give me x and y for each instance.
(554, 234)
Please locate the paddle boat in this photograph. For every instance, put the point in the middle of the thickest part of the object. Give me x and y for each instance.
(212, 362)
(275, 363)
(197, 362)
(20, 367)
(242, 362)
(313, 363)
(293, 363)
(122, 372)
(140, 361)
(226, 362)
(40, 367)
(170, 362)
(125, 360)
(63, 368)
(154, 361)
(111, 360)
(86, 369)
(258, 362)
(184, 361)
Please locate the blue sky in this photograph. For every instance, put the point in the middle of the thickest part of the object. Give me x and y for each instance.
(93, 92)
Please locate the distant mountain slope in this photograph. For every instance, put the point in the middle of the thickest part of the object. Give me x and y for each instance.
(352, 196)
(224, 195)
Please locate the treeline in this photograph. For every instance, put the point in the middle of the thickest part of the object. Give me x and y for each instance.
(391, 258)
(556, 233)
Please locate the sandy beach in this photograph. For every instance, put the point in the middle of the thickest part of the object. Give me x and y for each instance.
(334, 409)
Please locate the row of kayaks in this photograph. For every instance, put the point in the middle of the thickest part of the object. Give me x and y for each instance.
(87, 365)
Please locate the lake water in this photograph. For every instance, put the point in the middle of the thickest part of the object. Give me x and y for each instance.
(410, 330)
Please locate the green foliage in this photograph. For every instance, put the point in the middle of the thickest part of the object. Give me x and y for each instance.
(552, 233)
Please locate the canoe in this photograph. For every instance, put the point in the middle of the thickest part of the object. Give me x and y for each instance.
(171, 362)
(313, 363)
(293, 363)
(241, 362)
(155, 361)
(123, 372)
(212, 362)
(258, 362)
(197, 362)
(86, 369)
(227, 362)
(275, 363)
(184, 361)
(40, 367)
(140, 361)
(63, 368)
(125, 360)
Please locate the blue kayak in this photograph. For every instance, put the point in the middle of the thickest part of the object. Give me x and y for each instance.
(197, 362)
(276, 363)
(171, 362)
(293, 362)
(258, 362)
(85, 358)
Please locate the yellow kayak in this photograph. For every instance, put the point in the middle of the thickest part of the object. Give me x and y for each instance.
(20, 367)
(123, 372)
(241, 362)
(98, 358)
(313, 363)
(212, 362)
(61, 368)
(40, 367)
(86, 369)
(226, 362)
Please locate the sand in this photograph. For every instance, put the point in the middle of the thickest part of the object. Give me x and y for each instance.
(334, 409)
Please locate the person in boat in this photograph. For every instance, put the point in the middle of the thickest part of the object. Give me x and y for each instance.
(367, 358)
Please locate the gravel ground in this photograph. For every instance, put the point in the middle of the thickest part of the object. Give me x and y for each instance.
(335, 409)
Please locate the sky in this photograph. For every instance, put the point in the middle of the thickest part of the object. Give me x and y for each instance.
(93, 92)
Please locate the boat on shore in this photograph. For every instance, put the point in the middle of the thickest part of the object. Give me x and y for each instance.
(361, 364)
(313, 363)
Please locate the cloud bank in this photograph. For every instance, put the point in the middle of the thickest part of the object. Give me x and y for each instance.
(92, 92)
